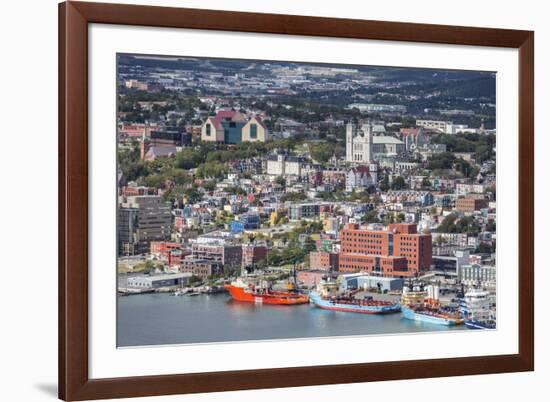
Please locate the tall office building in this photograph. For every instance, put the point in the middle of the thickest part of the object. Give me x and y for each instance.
(148, 218)
(126, 229)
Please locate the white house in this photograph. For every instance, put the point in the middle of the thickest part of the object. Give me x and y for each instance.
(361, 177)
(283, 165)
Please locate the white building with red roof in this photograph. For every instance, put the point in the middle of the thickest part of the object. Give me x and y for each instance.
(361, 177)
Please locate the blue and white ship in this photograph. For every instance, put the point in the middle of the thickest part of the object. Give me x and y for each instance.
(431, 316)
(422, 305)
(328, 296)
(353, 305)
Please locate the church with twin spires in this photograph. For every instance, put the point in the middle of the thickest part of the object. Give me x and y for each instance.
(359, 143)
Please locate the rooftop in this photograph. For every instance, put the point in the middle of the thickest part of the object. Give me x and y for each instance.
(386, 139)
(163, 277)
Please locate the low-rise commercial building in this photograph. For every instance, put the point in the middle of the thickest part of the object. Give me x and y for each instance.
(226, 254)
(366, 282)
(451, 264)
(200, 267)
(157, 281)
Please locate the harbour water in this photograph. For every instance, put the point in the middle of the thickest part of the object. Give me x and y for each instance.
(162, 319)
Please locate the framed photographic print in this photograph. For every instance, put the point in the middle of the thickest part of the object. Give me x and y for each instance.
(259, 200)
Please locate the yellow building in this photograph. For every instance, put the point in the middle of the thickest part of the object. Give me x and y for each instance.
(273, 218)
(330, 224)
(255, 131)
(232, 127)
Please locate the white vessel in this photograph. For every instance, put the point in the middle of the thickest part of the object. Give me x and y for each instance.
(478, 308)
(180, 292)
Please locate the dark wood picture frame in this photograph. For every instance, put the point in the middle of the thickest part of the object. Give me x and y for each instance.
(74, 382)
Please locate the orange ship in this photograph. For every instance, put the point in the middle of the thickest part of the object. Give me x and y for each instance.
(248, 292)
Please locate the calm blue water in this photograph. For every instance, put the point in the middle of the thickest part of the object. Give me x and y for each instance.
(161, 319)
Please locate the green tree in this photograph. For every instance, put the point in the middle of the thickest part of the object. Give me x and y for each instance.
(209, 185)
(154, 180)
(280, 180)
(448, 224)
(385, 183)
(193, 195)
(309, 245)
(179, 176)
(195, 280)
(321, 152)
(370, 217)
(453, 224)
(211, 170)
(486, 248)
(426, 183)
(293, 197)
(444, 160)
(235, 190)
(398, 183)
(466, 168)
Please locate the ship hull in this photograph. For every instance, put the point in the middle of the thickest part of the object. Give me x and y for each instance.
(352, 308)
(275, 298)
(418, 316)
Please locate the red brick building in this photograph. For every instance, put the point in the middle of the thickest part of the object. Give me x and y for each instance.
(471, 204)
(398, 251)
(252, 254)
(323, 260)
(164, 247)
(316, 178)
(175, 257)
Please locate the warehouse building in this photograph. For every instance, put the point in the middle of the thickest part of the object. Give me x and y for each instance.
(365, 282)
(158, 281)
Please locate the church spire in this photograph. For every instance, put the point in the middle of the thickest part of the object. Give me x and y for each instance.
(350, 134)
